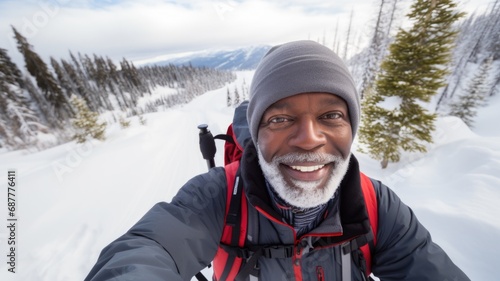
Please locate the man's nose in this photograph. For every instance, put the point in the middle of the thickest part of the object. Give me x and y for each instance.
(308, 134)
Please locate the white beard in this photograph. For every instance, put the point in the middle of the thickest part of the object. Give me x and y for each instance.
(304, 194)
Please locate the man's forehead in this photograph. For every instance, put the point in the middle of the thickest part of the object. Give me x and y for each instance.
(325, 99)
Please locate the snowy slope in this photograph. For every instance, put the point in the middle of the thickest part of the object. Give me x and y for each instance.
(73, 200)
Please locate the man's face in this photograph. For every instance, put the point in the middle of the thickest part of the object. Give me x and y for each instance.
(304, 144)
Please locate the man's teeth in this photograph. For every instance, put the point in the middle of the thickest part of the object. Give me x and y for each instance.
(307, 168)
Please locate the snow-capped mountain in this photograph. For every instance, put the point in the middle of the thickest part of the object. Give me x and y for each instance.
(245, 58)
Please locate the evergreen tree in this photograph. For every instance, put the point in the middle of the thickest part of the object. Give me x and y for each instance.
(378, 44)
(495, 88)
(41, 106)
(411, 74)
(44, 78)
(64, 83)
(86, 122)
(124, 123)
(90, 72)
(25, 125)
(130, 73)
(244, 90)
(348, 36)
(479, 38)
(466, 106)
(461, 54)
(10, 72)
(77, 84)
(88, 67)
(229, 99)
(19, 124)
(142, 120)
(61, 76)
(236, 97)
(373, 130)
(113, 71)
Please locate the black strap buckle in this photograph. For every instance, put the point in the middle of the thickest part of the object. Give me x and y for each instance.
(278, 251)
(357, 242)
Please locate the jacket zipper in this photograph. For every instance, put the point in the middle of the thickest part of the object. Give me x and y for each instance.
(320, 273)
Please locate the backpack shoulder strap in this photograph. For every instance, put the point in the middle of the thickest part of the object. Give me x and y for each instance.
(368, 189)
(236, 215)
(236, 233)
(226, 267)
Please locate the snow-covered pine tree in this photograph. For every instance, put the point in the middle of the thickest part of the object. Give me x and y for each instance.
(64, 84)
(40, 105)
(479, 38)
(466, 106)
(77, 84)
(495, 47)
(61, 75)
(464, 44)
(410, 75)
(495, 88)
(229, 99)
(378, 44)
(11, 73)
(244, 90)
(237, 99)
(124, 123)
(86, 122)
(25, 124)
(8, 74)
(19, 125)
(44, 78)
(142, 120)
(348, 36)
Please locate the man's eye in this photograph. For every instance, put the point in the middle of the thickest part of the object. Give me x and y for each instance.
(332, 115)
(278, 120)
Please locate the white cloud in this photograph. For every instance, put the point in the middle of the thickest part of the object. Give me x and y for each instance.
(141, 29)
(134, 29)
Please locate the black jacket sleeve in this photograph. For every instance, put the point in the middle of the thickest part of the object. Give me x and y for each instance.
(173, 241)
(404, 249)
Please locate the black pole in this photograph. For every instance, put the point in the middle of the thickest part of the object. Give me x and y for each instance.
(207, 145)
(208, 150)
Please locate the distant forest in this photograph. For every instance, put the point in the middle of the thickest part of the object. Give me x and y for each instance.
(36, 109)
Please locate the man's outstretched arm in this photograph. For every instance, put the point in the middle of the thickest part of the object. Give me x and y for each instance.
(173, 241)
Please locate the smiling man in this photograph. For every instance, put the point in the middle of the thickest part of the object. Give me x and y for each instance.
(295, 207)
(304, 147)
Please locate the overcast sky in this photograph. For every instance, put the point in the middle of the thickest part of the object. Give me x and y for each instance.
(143, 29)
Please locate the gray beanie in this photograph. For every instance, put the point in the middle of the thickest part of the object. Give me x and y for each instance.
(295, 68)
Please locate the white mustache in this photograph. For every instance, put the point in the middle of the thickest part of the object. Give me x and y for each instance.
(314, 157)
(299, 193)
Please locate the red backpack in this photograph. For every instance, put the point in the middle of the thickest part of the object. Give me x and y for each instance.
(236, 228)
